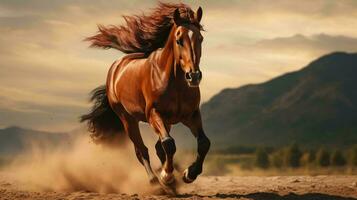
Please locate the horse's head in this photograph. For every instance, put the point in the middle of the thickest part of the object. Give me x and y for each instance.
(187, 48)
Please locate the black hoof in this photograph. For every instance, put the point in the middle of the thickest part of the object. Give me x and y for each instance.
(186, 177)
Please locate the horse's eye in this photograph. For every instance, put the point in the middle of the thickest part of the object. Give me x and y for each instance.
(179, 42)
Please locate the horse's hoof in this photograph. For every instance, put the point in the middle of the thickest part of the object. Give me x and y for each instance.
(186, 178)
(170, 189)
(167, 178)
(154, 181)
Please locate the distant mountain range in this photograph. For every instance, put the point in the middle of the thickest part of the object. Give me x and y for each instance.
(316, 105)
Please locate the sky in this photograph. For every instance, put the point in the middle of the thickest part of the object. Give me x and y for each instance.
(47, 71)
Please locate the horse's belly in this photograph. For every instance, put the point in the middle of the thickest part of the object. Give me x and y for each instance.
(133, 102)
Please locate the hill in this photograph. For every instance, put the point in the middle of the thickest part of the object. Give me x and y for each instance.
(316, 105)
(15, 140)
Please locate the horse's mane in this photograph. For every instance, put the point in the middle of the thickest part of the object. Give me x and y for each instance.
(142, 33)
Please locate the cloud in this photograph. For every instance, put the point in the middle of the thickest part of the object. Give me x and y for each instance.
(320, 43)
(236, 63)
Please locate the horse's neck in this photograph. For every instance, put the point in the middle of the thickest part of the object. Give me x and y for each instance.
(165, 60)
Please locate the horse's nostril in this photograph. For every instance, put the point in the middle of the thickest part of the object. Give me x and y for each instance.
(199, 75)
(188, 75)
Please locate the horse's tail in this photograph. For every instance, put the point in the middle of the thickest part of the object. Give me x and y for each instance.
(103, 123)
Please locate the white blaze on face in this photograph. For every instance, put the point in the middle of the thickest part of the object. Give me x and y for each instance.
(190, 35)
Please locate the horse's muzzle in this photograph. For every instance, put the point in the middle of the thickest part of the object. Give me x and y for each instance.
(193, 78)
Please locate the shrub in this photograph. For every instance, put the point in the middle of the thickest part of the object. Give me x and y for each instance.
(311, 156)
(261, 158)
(304, 161)
(277, 159)
(323, 158)
(293, 156)
(353, 156)
(337, 158)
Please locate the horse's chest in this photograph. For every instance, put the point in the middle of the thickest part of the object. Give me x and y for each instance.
(176, 106)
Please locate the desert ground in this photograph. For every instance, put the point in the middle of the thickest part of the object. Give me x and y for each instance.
(88, 171)
(212, 187)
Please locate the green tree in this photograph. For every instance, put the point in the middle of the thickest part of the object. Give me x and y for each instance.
(337, 159)
(293, 156)
(276, 159)
(353, 156)
(323, 158)
(261, 158)
(311, 156)
(304, 161)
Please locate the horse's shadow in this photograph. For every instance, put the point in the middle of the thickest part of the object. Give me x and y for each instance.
(273, 196)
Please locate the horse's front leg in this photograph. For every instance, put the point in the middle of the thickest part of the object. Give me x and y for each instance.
(194, 123)
(168, 145)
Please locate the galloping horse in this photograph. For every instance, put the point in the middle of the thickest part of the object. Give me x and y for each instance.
(157, 82)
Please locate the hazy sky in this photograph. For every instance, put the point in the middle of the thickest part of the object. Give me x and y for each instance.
(46, 71)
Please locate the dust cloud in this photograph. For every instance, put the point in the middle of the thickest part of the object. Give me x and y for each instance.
(82, 166)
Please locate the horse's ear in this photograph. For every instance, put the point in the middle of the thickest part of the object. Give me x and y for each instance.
(177, 17)
(198, 14)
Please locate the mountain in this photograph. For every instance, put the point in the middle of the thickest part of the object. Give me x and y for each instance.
(316, 105)
(15, 140)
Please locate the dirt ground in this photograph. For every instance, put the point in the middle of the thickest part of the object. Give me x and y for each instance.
(214, 187)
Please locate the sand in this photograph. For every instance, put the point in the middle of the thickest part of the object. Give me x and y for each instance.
(210, 187)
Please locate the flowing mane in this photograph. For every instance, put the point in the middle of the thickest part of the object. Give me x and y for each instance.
(142, 33)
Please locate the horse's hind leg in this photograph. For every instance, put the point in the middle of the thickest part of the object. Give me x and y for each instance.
(194, 123)
(132, 128)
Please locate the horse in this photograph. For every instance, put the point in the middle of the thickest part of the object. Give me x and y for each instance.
(156, 82)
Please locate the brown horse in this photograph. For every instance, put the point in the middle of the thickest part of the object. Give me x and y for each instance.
(157, 82)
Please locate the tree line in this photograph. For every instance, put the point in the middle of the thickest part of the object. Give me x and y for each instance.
(293, 156)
